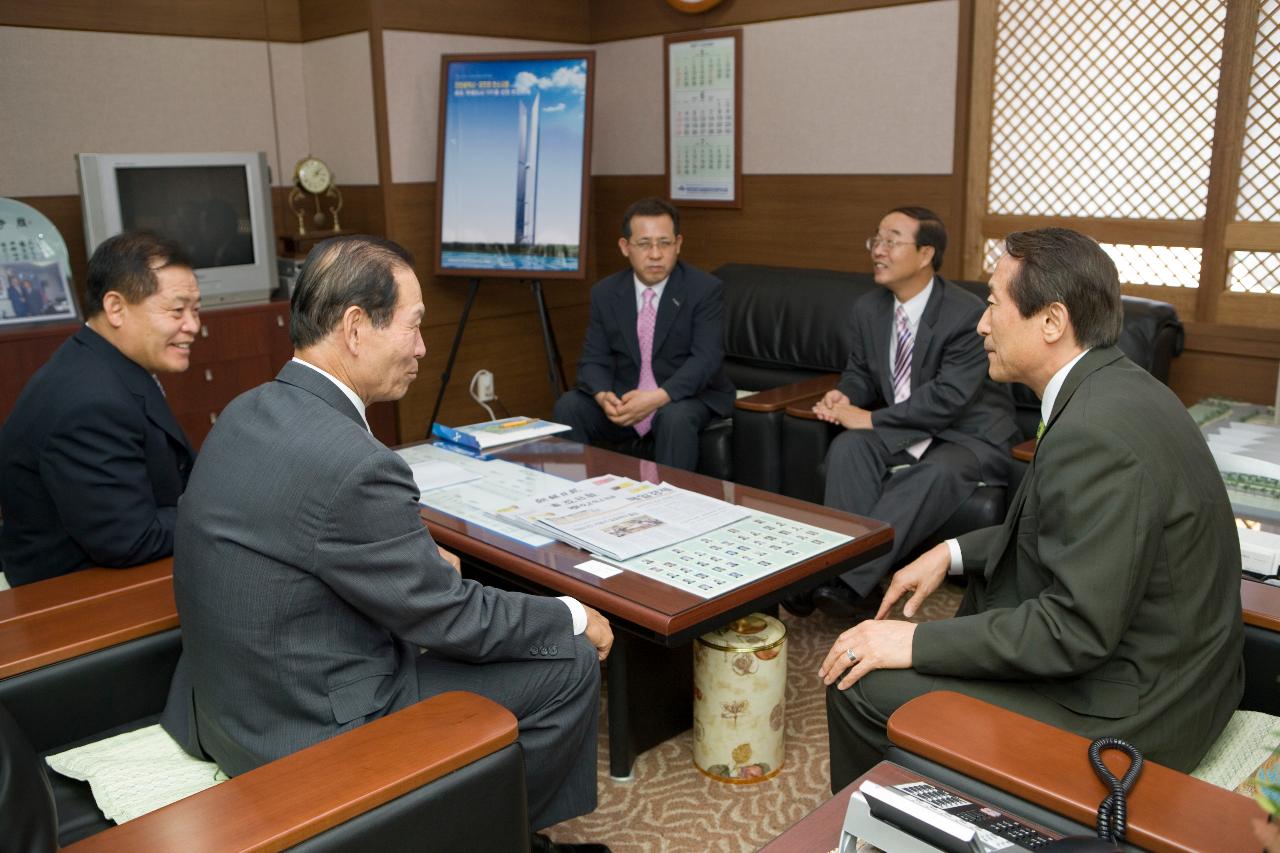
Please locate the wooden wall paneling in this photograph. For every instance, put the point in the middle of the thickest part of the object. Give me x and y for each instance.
(361, 209)
(786, 220)
(1142, 232)
(1253, 236)
(548, 20)
(328, 18)
(1228, 139)
(1195, 375)
(960, 137)
(284, 20)
(237, 19)
(982, 72)
(511, 347)
(612, 20)
(1249, 309)
(1183, 299)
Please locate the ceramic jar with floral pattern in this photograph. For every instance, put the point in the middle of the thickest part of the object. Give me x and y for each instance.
(739, 692)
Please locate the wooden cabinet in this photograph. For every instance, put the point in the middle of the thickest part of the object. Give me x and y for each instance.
(238, 349)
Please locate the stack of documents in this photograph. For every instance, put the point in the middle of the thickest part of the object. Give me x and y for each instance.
(482, 436)
(620, 518)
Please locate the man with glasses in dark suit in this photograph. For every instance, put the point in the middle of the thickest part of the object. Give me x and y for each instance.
(923, 424)
(651, 362)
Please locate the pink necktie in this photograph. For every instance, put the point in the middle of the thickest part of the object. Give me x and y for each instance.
(644, 331)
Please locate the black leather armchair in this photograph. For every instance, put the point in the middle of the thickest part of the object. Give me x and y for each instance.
(448, 769)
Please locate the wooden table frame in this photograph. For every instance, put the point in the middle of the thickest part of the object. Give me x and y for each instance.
(651, 619)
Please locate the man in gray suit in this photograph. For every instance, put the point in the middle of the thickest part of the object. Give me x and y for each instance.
(924, 425)
(1108, 601)
(306, 581)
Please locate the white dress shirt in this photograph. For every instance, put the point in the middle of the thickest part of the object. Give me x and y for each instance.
(641, 287)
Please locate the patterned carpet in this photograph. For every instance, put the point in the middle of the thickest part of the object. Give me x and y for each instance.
(670, 806)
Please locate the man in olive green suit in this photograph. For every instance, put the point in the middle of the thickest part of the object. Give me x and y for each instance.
(1108, 602)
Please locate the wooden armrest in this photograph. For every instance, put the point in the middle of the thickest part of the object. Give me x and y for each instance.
(777, 399)
(34, 598)
(85, 626)
(1050, 767)
(301, 795)
(1024, 451)
(803, 407)
(1261, 604)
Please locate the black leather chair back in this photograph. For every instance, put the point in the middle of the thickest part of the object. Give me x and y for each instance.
(28, 821)
(773, 336)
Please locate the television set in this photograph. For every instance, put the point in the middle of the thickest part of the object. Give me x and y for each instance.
(216, 206)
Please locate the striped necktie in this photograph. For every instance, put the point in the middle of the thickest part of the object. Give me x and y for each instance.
(902, 358)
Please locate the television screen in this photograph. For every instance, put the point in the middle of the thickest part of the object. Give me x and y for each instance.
(205, 209)
(216, 205)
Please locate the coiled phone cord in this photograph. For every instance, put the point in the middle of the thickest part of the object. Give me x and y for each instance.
(1113, 812)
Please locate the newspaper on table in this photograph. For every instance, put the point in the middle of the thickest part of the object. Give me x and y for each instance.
(621, 518)
(736, 555)
(477, 501)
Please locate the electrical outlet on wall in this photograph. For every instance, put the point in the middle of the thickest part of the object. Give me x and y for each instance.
(483, 385)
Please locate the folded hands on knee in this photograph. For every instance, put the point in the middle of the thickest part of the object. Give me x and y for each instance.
(633, 406)
(835, 408)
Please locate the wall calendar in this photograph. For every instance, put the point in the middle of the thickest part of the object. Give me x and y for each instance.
(704, 118)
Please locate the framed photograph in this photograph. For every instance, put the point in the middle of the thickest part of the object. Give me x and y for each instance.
(703, 84)
(513, 164)
(35, 272)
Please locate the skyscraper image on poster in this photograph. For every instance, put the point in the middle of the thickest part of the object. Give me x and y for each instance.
(514, 156)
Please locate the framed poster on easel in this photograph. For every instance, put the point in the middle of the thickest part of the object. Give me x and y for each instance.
(514, 155)
(703, 84)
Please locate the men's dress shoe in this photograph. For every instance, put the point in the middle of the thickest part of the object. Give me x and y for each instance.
(541, 843)
(800, 604)
(838, 601)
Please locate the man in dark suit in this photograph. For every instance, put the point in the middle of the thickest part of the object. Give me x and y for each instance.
(91, 459)
(651, 361)
(924, 425)
(307, 583)
(1108, 602)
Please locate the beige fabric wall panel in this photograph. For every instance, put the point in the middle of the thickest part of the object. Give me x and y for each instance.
(67, 91)
(868, 92)
(413, 91)
(627, 130)
(339, 94)
(291, 109)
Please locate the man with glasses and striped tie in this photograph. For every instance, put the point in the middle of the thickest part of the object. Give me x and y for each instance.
(924, 425)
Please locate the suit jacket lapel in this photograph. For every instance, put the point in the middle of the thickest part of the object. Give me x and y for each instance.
(1093, 360)
(924, 331)
(882, 341)
(624, 306)
(672, 302)
(309, 380)
(140, 383)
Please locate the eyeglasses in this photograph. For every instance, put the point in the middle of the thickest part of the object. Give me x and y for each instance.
(663, 245)
(872, 242)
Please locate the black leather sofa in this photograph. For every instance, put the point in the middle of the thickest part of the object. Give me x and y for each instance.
(461, 786)
(787, 329)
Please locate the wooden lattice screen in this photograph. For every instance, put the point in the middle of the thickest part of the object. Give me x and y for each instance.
(1105, 110)
(1258, 196)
